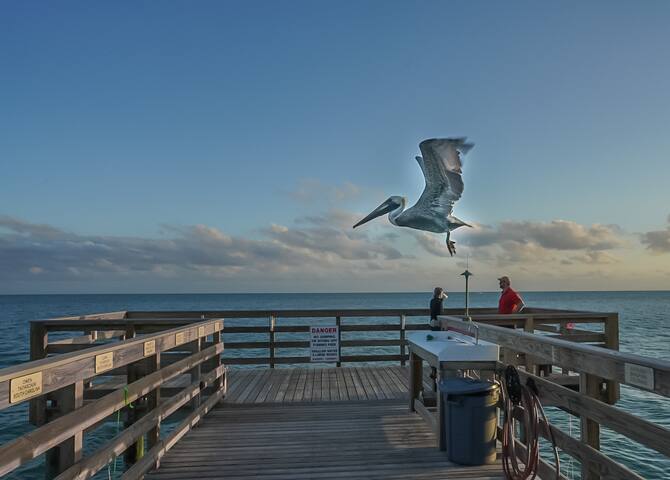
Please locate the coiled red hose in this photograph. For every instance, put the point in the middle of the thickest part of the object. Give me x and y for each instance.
(516, 395)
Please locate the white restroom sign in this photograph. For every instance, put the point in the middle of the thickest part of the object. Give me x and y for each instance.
(324, 344)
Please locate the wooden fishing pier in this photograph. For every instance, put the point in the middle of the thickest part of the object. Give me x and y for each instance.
(262, 412)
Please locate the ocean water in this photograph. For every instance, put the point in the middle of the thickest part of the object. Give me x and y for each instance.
(644, 329)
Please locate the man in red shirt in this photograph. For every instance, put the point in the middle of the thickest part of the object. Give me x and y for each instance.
(510, 301)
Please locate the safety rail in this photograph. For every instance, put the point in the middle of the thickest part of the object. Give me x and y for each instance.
(115, 325)
(55, 387)
(595, 365)
(64, 350)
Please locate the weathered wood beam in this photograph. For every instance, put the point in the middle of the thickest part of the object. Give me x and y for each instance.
(157, 452)
(63, 370)
(601, 362)
(101, 458)
(38, 441)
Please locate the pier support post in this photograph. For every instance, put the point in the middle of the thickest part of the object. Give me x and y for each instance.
(221, 383)
(37, 413)
(402, 341)
(590, 430)
(193, 348)
(338, 322)
(133, 373)
(272, 340)
(529, 327)
(153, 399)
(612, 342)
(63, 456)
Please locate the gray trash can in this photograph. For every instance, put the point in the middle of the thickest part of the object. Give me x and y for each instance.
(470, 413)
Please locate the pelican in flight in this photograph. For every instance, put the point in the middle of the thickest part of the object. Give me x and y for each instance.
(440, 162)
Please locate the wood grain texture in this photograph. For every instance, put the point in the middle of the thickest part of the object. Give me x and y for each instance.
(350, 440)
(66, 369)
(314, 385)
(597, 361)
(72, 423)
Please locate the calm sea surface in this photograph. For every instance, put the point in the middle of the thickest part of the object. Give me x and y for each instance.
(644, 329)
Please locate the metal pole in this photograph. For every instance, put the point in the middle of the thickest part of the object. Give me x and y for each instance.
(467, 296)
(467, 274)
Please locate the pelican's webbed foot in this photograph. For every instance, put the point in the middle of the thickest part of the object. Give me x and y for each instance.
(451, 246)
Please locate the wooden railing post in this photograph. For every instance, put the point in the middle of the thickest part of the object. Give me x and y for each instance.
(402, 340)
(39, 338)
(153, 399)
(529, 327)
(612, 342)
(338, 322)
(133, 373)
(194, 347)
(590, 430)
(221, 383)
(62, 457)
(272, 341)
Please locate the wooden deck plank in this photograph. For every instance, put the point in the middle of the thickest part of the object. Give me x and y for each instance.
(253, 384)
(354, 391)
(365, 383)
(331, 384)
(394, 381)
(309, 385)
(298, 395)
(237, 382)
(361, 391)
(341, 385)
(335, 390)
(293, 384)
(266, 387)
(278, 378)
(283, 387)
(318, 385)
(382, 381)
(295, 441)
(326, 386)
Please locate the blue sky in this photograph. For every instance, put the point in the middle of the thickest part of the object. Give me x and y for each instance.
(141, 120)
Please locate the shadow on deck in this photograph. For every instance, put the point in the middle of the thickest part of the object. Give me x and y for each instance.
(329, 423)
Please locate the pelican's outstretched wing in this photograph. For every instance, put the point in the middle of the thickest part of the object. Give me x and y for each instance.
(442, 167)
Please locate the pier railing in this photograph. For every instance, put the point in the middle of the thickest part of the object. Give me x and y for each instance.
(597, 369)
(55, 387)
(388, 330)
(84, 370)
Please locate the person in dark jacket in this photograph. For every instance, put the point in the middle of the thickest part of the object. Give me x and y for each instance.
(435, 310)
(436, 307)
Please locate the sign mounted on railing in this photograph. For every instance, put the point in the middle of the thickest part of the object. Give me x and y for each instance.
(639, 375)
(104, 362)
(25, 387)
(324, 345)
(149, 348)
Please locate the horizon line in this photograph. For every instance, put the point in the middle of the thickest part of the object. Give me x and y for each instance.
(329, 293)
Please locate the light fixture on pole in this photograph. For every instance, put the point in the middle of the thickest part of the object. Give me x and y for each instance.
(467, 274)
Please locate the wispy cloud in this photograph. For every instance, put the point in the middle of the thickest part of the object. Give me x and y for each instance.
(318, 244)
(556, 235)
(509, 242)
(316, 252)
(657, 241)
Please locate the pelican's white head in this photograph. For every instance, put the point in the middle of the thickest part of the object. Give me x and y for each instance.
(394, 204)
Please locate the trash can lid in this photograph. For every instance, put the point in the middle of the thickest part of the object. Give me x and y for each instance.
(466, 386)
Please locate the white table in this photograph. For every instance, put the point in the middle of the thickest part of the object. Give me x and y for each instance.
(448, 352)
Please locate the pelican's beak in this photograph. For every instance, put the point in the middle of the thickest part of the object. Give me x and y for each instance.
(386, 207)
